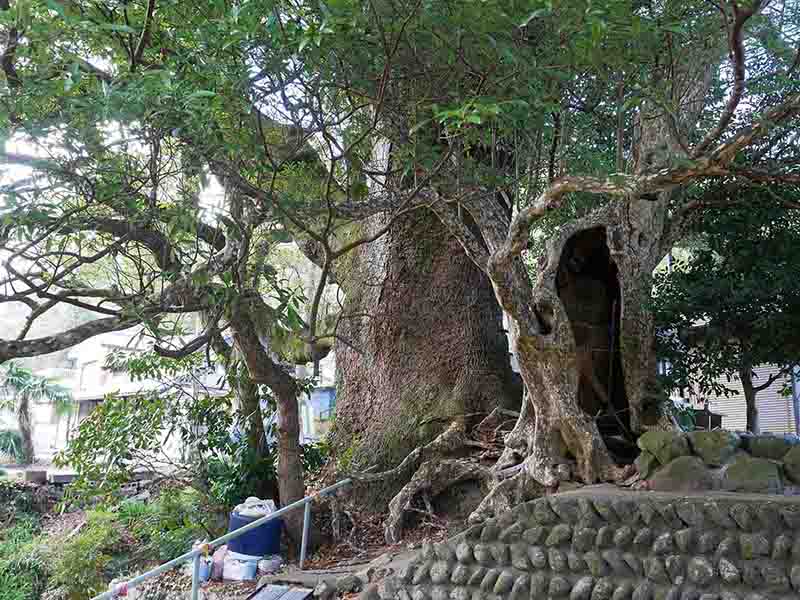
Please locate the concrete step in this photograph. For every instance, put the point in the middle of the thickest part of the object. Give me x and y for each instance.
(281, 592)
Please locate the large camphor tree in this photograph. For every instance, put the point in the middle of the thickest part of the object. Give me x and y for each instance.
(607, 130)
(112, 124)
(564, 148)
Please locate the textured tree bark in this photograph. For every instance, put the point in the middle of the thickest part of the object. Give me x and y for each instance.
(290, 467)
(750, 394)
(578, 376)
(25, 423)
(421, 345)
(53, 343)
(265, 370)
(563, 351)
(596, 275)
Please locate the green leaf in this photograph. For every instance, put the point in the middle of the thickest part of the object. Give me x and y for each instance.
(117, 27)
(541, 12)
(56, 6)
(202, 94)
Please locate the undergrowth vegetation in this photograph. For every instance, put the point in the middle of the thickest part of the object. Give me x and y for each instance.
(113, 541)
(23, 566)
(166, 528)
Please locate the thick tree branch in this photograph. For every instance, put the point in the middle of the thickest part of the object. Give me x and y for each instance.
(184, 351)
(770, 380)
(53, 343)
(262, 368)
(737, 59)
(643, 186)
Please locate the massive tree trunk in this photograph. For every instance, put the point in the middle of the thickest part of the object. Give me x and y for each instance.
(585, 337)
(421, 345)
(290, 467)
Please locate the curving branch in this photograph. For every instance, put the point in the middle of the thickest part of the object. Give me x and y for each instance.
(144, 38)
(190, 348)
(737, 59)
(261, 366)
(644, 186)
(53, 343)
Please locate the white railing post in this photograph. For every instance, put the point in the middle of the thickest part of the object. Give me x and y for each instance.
(306, 525)
(196, 577)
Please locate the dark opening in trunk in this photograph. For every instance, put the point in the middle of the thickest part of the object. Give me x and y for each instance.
(589, 289)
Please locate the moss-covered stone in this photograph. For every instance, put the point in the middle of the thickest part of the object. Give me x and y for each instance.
(684, 474)
(646, 464)
(774, 447)
(791, 464)
(754, 475)
(664, 445)
(714, 447)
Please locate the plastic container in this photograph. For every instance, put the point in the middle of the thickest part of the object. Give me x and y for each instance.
(263, 540)
(204, 572)
(235, 570)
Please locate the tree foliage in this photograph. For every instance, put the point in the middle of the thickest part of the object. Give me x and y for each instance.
(733, 302)
(507, 120)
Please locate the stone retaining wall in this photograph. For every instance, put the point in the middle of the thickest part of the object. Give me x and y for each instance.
(601, 543)
(719, 460)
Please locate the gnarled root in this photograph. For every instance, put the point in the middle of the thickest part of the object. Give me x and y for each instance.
(432, 478)
(433, 468)
(536, 457)
(506, 494)
(446, 443)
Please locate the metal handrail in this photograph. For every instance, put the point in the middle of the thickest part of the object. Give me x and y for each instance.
(195, 554)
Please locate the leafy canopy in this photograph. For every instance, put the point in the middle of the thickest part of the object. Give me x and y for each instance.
(733, 302)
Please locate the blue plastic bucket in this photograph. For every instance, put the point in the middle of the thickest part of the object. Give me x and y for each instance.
(264, 539)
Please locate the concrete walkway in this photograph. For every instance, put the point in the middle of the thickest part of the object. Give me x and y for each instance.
(352, 578)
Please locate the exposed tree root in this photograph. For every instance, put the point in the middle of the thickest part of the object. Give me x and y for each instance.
(446, 443)
(435, 467)
(431, 479)
(505, 494)
(510, 467)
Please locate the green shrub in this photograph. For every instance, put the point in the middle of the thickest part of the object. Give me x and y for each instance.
(16, 498)
(166, 527)
(11, 445)
(230, 477)
(314, 456)
(23, 563)
(80, 564)
(25, 575)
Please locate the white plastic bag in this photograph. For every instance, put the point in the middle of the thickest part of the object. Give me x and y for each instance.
(255, 508)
